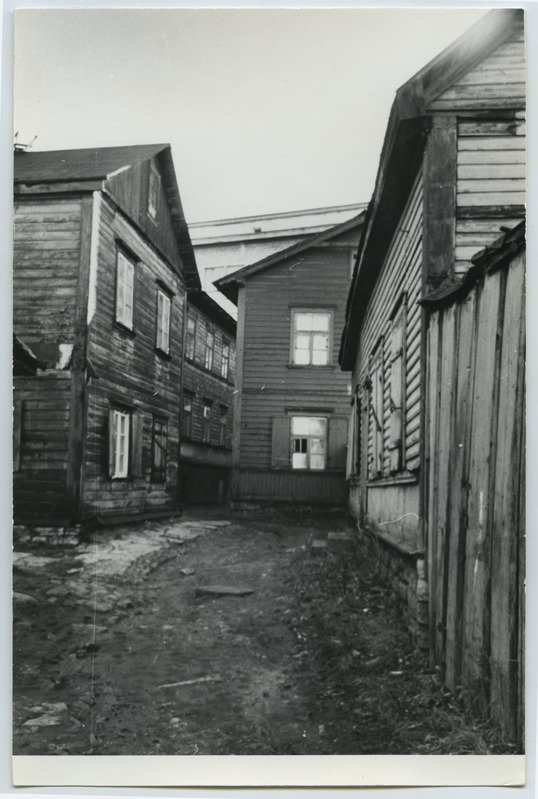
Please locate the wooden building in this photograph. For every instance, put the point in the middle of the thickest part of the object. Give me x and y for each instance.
(292, 401)
(223, 246)
(207, 401)
(102, 264)
(450, 180)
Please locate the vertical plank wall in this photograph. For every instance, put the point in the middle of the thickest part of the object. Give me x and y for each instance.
(474, 407)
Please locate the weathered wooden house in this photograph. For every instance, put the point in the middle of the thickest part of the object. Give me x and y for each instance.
(450, 180)
(207, 401)
(102, 264)
(223, 246)
(292, 400)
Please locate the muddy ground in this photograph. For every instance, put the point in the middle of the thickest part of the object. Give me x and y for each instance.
(118, 650)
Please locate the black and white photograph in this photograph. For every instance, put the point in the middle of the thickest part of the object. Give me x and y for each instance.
(269, 384)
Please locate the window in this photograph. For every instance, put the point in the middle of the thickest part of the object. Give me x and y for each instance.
(209, 349)
(311, 338)
(163, 321)
(159, 449)
(187, 414)
(154, 190)
(397, 389)
(376, 414)
(223, 419)
(121, 423)
(308, 442)
(206, 422)
(124, 289)
(225, 362)
(191, 337)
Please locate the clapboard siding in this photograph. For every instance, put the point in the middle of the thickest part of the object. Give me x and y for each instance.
(130, 371)
(46, 246)
(316, 278)
(490, 173)
(312, 488)
(498, 80)
(39, 481)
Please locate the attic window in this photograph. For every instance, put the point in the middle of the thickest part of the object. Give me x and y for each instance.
(154, 190)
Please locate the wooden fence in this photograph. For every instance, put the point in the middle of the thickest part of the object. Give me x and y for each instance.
(474, 497)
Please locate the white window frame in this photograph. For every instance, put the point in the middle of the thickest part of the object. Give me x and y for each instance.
(295, 333)
(122, 442)
(154, 190)
(309, 439)
(125, 272)
(225, 361)
(164, 306)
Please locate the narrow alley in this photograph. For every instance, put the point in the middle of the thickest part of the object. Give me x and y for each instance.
(221, 636)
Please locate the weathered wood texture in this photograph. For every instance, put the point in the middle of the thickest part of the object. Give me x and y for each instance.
(42, 434)
(475, 452)
(131, 373)
(318, 277)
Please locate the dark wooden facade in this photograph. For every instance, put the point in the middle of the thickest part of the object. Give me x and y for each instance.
(311, 277)
(207, 402)
(75, 212)
(451, 177)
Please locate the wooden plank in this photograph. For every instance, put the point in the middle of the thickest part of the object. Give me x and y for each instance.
(431, 470)
(511, 200)
(491, 186)
(478, 565)
(482, 142)
(439, 201)
(461, 425)
(488, 171)
(491, 212)
(505, 522)
(491, 157)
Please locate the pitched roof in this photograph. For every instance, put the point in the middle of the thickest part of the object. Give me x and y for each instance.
(207, 305)
(401, 155)
(229, 285)
(95, 163)
(93, 166)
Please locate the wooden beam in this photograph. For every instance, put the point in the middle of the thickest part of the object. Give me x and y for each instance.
(440, 161)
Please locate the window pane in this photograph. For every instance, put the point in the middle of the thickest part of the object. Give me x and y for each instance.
(303, 321)
(302, 341)
(320, 341)
(298, 461)
(320, 357)
(317, 427)
(320, 321)
(300, 425)
(317, 446)
(317, 462)
(301, 357)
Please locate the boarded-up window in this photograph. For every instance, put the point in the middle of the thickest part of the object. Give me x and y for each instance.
(376, 414)
(337, 443)
(397, 390)
(159, 450)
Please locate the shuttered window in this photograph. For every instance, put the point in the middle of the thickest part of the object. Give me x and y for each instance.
(397, 390)
(191, 337)
(376, 416)
(125, 441)
(124, 290)
(309, 443)
(163, 321)
(159, 450)
(206, 421)
(311, 337)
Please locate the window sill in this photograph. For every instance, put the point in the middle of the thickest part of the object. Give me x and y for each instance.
(127, 331)
(162, 354)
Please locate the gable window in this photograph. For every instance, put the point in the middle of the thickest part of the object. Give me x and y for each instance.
(124, 289)
(206, 421)
(163, 321)
(187, 414)
(223, 419)
(191, 337)
(311, 337)
(225, 362)
(308, 442)
(209, 349)
(154, 190)
(121, 428)
(159, 448)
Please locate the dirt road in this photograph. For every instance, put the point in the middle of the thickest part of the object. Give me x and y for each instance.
(119, 649)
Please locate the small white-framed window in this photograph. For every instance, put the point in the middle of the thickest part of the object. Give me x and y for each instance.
(163, 321)
(309, 442)
(311, 337)
(225, 362)
(121, 421)
(125, 270)
(209, 349)
(154, 190)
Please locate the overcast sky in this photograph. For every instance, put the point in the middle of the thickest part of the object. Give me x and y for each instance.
(266, 110)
